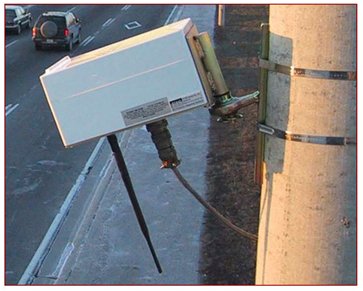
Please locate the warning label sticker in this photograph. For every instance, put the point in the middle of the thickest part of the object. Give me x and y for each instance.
(146, 111)
(187, 101)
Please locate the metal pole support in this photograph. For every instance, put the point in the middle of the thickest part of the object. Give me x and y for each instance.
(112, 139)
(226, 105)
(262, 105)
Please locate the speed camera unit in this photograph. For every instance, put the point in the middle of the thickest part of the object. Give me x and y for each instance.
(126, 84)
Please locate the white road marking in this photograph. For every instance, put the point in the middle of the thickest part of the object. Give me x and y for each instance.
(87, 40)
(177, 16)
(51, 234)
(11, 43)
(126, 7)
(108, 22)
(170, 15)
(70, 10)
(132, 25)
(63, 260)
(10, 108)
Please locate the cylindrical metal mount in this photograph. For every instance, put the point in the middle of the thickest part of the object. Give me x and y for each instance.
(211, 64)
(221, 14)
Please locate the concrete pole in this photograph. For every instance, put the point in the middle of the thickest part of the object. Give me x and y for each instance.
(307, 232)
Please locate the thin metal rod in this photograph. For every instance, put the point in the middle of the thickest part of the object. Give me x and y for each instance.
(261, 117)
(130, 190)
(221, 14)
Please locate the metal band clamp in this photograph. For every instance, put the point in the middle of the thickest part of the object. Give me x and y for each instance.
(308, 73)
(324, 140)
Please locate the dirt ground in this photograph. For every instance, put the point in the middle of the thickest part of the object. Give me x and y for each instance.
(226, 257)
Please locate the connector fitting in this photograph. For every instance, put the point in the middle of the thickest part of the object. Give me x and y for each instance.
(161, 137)
(228, 105)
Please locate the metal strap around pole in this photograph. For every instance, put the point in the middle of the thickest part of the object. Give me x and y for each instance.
(307, 73)
(315, 139)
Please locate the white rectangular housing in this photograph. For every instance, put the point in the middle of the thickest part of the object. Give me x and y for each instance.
(125, 84)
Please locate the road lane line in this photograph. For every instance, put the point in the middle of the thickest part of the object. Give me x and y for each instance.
(10, 108)
(67, 252)
(58, 221)
(87, 40)
(70, 10)
(108, 22)
(170, 15)
(11, 43)
(113, 19)
(126, 7)
(177, 16)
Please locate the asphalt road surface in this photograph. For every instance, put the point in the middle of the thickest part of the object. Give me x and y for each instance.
(40, 172)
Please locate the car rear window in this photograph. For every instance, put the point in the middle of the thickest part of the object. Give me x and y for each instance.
(10, 14)
(60, 21)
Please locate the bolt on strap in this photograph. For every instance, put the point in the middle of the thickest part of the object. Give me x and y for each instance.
(315, 139)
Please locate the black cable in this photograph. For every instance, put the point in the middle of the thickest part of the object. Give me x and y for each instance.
(211, 209)
(167, 153)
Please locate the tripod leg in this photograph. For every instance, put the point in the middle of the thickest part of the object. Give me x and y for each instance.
(130, 190)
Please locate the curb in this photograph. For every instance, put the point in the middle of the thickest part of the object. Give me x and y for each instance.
(64, 246)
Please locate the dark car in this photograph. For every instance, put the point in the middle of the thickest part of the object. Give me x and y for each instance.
(17, 18)
(56, 29)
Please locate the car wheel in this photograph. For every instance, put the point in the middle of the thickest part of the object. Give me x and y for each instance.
(79, 38)
(48, 29)
(69, 47)
(38, 47)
